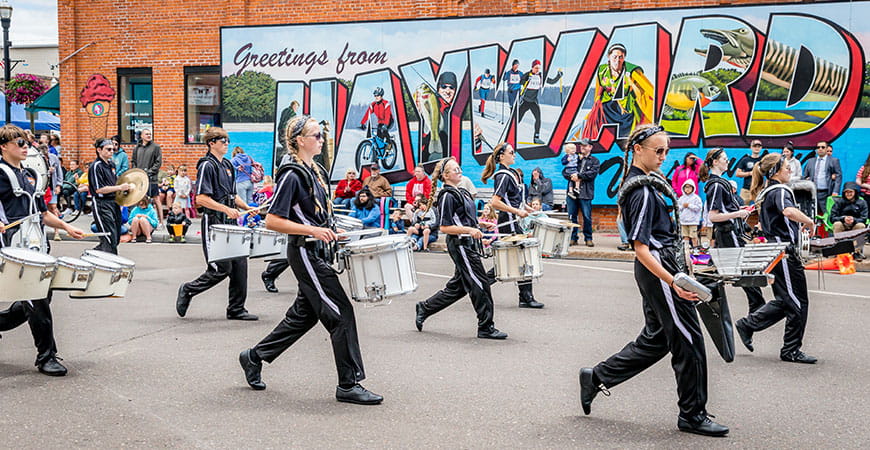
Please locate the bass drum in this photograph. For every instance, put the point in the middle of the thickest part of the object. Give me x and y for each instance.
(37, 163)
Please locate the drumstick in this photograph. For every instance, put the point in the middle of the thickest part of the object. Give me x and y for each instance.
(265, 204)
(487, 235)
(18, 222)
(89, 234)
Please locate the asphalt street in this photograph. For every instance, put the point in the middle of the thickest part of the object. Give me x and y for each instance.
(142, 377)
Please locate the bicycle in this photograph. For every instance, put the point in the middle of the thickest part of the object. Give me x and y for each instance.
(375, 149)
(65, 201)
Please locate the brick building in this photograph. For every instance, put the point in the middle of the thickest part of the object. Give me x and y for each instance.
(172, 43)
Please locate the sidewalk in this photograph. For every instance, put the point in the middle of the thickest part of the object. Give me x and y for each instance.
(160, 234)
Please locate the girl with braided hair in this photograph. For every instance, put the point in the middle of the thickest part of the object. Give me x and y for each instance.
(671, 322)
(301, 209)
(726, 213)
(780, 221)
(457, 218)
(508, 198)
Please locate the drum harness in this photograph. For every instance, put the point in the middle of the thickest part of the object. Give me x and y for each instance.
(738, 226)
(31, 235)
(473, 245)
(801, 247)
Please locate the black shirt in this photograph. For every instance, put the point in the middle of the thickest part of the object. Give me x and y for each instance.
(101, 174)
(773, 223)
(216, 179)
(511, 192)
(746, 163)
(292, 199)
(455, 209)
(645, 216)
(719, 195)
(18, 207)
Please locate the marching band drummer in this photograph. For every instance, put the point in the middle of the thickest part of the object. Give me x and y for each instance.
(723, 209)
(216, 193)
(301, 208)
(457, 216)
(671, 322)
(509, 199)
(37, 313)
(780, 221)
(107, 213)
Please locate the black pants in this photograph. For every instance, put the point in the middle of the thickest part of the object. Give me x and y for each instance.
(671, 326)
(536, 111)
(791, 302)
(275, 268)
(320, 298)
(726, 237)
(37, 314)
(469, 278)
(822, 200)
(236, 269)
(107, 215)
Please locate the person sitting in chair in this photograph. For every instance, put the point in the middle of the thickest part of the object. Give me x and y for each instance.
(850, 213)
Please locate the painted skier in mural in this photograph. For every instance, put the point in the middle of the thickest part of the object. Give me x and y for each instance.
(482, 85)
(623, 96)
(532, 83)
(434, 108)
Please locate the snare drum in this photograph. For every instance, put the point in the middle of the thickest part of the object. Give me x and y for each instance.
(267, 243)
(517, 259)
(228, 242)
(379, 268)
(25, 274)
(348, 223)
(554, 235)
(106, 277)
(127, 268)
(72, 274)
(353, 236)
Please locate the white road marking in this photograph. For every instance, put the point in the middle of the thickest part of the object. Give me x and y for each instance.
(840, 294)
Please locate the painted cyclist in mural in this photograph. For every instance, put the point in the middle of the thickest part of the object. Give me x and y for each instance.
(383, 113)
(623, 96)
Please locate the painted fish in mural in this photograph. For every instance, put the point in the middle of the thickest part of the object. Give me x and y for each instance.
(430, 112)
(685, 90)
(738, 47)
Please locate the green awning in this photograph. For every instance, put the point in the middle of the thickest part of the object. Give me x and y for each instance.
(50, 101)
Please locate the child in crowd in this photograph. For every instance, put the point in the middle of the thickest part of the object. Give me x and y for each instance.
(176, 217)
(183, 189)
(397, 222)
(535, 204)
(571, 161)
(423, 227)
(487, 222)
(251, 219)
(143, 220)
(690, 211)
(265, 192)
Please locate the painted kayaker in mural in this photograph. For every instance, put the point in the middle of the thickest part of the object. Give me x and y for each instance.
(434, 108)
(623, 96)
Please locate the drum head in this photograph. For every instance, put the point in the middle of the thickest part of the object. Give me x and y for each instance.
(376, 243)
(231, 228)
(265, 232)
(29, 256)
(101, 263)
(119, 260)
(75, 263)
(548, 222)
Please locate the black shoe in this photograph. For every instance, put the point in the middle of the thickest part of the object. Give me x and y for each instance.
(858, 256)
(623, 247)
(701, 424)
(588, 389)
(421, 316)
(574, 242)
(357, 394)
(252, 370)
(589, 243)
(52, 368)
(269, 283)
(532, 303)
(244, 315)
(538, 141)
(745, 334)
(491, 333)
(182, 302)
(798, 356)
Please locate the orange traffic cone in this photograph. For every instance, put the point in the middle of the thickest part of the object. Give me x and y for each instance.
(827, 264)
(846, 264)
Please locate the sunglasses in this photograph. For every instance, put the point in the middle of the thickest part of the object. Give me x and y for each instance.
(447, 86)
(374, 168)
(756, 144)
(662, 151)
(21, 142)
(821, 146)
(221, 139)
(317, 135)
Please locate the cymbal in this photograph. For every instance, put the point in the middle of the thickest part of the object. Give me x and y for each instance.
(139, 179)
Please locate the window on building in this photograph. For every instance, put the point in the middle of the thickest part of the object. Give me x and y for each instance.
(202, 105)
(136, 105)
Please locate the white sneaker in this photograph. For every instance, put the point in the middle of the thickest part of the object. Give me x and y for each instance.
(66, 211)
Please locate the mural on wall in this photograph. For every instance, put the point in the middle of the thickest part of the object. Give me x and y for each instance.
(415, 91)
(96, 97)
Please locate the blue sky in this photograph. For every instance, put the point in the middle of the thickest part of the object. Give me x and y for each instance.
(33, 22)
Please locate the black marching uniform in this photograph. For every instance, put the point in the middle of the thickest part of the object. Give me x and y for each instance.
(511, 191)
(216, 179)
(107, 213)
(36, 313)
(456, 207)
(671, 322)
(726, 234)
(791, 299)
(301, 199)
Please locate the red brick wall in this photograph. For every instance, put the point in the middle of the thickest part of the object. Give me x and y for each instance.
(167, 36)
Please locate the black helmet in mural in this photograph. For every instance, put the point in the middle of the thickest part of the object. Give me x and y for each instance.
(379, 92)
